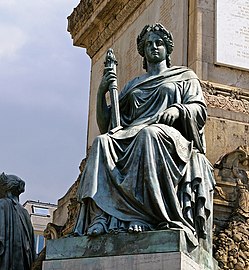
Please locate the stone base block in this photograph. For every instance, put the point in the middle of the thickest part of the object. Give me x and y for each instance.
(154, 261)
(156, 250)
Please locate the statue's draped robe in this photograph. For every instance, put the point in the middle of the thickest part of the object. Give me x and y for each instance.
(150, 172)
(17, 247)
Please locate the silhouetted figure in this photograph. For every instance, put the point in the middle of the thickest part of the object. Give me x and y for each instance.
(17, 246)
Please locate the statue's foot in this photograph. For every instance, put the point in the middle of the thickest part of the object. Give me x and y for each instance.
(95, 230)
(136, 227)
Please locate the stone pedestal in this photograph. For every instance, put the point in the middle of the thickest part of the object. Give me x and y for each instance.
(158, 250)
(154, 261)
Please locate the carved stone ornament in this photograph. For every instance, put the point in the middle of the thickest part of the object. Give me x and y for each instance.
(52, 231)
(81, 14)
(231, 242)
(74, 205)
(231, 99)
(106, 17)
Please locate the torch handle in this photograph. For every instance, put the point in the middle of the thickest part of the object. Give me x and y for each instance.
(113, 89)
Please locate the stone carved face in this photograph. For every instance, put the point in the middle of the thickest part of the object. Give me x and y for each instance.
(155, 48)
(165, 35)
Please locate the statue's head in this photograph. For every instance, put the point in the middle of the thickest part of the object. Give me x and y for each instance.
(11, 183)
(163, 33)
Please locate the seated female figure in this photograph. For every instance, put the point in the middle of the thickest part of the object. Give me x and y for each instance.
(153, 173)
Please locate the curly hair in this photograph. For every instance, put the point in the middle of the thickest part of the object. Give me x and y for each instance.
(11, 183)
(161, 31)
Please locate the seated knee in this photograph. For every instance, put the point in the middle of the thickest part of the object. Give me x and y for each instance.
(100, 138)
(149, 132)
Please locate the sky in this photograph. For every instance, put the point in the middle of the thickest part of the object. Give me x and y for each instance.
(44, 86)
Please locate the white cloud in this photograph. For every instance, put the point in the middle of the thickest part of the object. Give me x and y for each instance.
(12, 40)
(7, 3)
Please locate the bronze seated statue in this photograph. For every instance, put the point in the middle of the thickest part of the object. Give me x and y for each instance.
(152, 174)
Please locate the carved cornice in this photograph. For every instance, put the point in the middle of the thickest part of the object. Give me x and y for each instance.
(93, 22)
(226, 98)
(81, 14)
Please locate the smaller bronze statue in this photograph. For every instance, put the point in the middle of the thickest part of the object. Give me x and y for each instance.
(17, 245)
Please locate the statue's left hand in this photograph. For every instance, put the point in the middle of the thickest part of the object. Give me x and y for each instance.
(169, 116)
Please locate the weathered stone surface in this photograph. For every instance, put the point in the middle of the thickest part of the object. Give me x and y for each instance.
(231, 193)
(96, 15)
(228, 123)
(232, 38)
(231, 209)
(119, 244)
(108, 250)
(159, 261)
(231, 248)
(226, 98)
(201, 47)
(67, 210)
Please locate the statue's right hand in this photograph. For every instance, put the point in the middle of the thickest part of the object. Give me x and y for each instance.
(108, 77)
